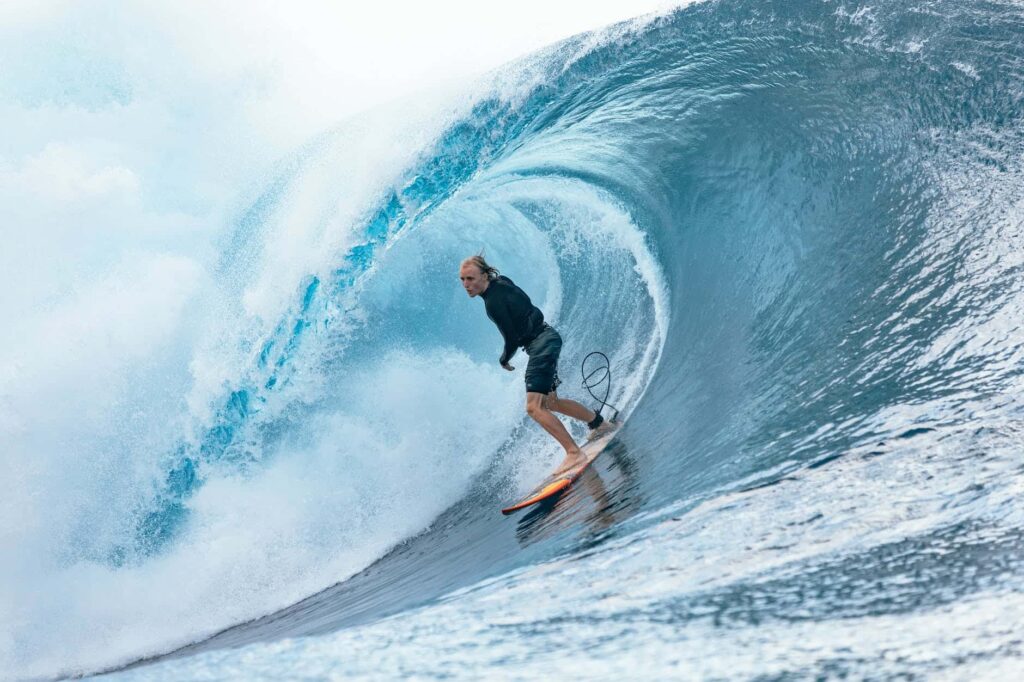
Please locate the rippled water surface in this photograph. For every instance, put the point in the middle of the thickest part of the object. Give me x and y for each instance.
(797, 230)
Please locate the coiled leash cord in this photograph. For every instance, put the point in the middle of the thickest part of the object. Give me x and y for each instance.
(605, 377)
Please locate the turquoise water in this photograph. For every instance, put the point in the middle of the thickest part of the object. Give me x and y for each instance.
(795, 228)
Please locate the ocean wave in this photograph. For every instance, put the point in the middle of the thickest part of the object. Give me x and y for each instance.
(794, 228)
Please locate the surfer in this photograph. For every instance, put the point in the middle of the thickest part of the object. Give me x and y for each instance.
(522, 326)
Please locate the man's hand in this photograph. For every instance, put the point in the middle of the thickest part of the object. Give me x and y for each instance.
(507, 366)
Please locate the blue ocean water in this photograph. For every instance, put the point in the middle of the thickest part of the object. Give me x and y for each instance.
(796, 229)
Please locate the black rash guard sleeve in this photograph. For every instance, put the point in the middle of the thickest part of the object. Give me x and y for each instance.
(503, 318)
(512, 311)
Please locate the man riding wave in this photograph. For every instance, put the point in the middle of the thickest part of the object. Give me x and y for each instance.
(522, 325)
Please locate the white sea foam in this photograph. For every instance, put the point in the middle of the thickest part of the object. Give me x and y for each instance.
(335, 495)
(739, 574)
(127, 168)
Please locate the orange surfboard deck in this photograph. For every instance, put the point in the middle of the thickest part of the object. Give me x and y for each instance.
(555, 485)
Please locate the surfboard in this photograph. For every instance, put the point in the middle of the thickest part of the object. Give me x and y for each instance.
(556, 484)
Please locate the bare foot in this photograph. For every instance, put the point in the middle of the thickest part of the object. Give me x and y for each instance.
(571, 461)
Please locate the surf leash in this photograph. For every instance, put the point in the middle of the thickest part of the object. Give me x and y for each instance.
(603, 372)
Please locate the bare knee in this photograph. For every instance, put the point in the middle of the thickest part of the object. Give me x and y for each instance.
(534, 404)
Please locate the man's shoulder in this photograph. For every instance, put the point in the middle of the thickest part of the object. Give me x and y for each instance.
(502, 279)
(503, 284)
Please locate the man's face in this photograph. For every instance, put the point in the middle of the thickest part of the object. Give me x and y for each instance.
(473, 279)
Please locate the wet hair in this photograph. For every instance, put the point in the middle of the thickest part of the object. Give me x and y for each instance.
(485, 267)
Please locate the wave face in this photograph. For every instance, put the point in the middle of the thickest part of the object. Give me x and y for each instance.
(794, 227)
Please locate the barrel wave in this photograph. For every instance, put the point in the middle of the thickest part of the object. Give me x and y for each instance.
(796, 230)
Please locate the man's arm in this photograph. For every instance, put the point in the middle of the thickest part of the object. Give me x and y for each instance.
(507, 355)
(510, 344)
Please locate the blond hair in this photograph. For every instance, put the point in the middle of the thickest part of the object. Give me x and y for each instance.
(485, 267)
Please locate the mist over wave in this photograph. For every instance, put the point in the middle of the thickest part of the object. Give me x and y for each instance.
(794, 228)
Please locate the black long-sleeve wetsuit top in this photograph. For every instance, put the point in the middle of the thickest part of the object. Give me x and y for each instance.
(518, 320)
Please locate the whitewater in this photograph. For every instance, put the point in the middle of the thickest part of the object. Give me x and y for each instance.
(253, 428)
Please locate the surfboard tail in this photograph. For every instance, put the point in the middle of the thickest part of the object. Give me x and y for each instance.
(554, 486)
(539, 495)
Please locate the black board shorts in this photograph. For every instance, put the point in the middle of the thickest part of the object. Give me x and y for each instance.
(542, 369)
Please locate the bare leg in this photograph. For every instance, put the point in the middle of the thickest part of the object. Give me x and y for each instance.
(569, 407)
(536, 409)
(574, 409)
